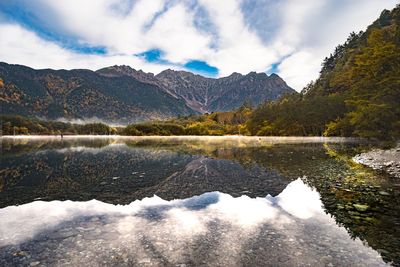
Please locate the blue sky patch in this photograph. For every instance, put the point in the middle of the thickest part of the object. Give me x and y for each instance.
(196, 66)
(273, 68)
(154, 56)
(202, 68)
(96, 50)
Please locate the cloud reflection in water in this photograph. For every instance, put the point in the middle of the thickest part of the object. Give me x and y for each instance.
(213, 229)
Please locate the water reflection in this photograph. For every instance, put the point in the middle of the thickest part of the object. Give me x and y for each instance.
(211, 229)
(240, 172)
(119, 173)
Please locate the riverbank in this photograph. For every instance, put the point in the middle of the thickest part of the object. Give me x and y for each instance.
(379, 159)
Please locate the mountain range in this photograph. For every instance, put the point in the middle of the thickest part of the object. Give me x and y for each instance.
(203, 94)
(121, 94)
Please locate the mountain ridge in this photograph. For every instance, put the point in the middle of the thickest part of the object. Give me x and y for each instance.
(121, 94)
(83, 94)
(203, 94)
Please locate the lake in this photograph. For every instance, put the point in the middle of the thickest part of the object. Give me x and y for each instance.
(194, 201)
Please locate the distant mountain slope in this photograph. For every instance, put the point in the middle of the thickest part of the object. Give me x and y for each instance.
(120, 94)
(207, 94)
(230, 92)
(83, 94)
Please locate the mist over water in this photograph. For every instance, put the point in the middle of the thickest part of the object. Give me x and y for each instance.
(91, 120)
(191, 202)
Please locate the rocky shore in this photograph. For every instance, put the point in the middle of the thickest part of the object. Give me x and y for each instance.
(379, 159)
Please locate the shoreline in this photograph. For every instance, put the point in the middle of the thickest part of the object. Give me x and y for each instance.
(387, 160)
(313, 139)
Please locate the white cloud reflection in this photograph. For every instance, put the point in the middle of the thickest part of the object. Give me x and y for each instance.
(218, 226)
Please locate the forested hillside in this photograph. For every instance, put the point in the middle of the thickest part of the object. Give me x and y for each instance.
(83, 94)
(357, 93)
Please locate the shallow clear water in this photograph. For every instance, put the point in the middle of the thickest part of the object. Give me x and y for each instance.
(194, 201)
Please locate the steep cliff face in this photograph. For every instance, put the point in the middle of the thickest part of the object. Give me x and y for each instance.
(231, 92)
(227, 93)
(192, 88)
(207, 94)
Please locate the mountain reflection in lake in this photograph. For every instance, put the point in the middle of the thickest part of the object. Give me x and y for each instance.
(194, 201)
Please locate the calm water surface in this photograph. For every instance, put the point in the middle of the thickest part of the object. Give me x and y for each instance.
(194, 202)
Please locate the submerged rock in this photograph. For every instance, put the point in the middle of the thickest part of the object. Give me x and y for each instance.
(360, 207)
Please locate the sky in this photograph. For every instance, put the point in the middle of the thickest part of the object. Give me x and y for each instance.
(210, 37)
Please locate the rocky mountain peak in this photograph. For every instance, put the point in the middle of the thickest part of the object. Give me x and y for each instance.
(124, 70)
(213, 94)
(210, 94)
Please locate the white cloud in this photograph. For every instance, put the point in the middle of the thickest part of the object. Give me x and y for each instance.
(239, 49)
(24, 47)
(300, 68)
(315, 27)
(304, 33)
(174, 33)
(96, 23)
